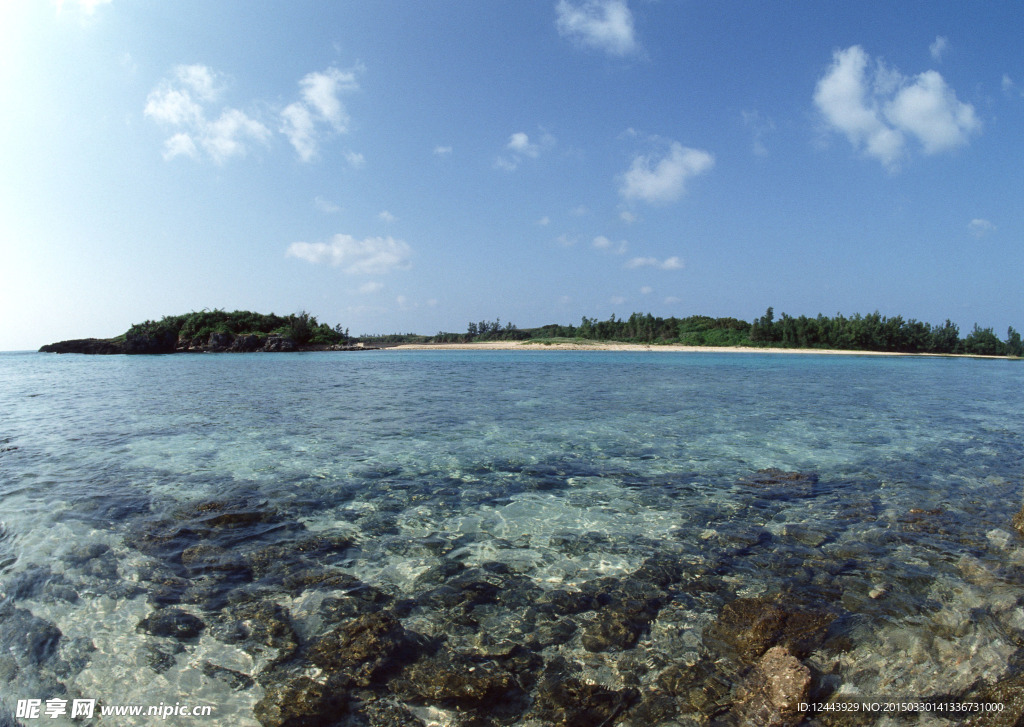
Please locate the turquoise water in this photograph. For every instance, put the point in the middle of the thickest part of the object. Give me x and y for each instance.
(533, 472)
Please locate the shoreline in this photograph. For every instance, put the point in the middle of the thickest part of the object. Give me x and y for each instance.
(641, 347)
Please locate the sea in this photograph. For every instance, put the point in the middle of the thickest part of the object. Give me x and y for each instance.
(508, 537)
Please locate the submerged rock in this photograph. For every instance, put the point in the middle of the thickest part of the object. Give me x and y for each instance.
(566, 701)
(29, 639)
(772, 693)
(363, 649)
(1008, 692)
(1018, 521)
(780, 483)
(749, 627)
(301, 701)
(173, 623)
(458, 680)
(260, 624)
(234, 679)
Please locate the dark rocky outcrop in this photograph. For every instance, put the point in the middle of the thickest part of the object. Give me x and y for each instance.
(163, 342)
(748, 627)
(85, 345)
(172, 622)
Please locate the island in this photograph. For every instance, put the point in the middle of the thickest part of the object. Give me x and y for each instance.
(218, 331)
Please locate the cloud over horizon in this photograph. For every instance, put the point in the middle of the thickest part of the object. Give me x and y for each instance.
(605, 25)
(369, 256)
(661, 180)
(877, 108)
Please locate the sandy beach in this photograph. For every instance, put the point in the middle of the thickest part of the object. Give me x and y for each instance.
(614, 346)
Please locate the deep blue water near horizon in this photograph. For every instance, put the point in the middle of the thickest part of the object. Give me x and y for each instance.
(550, 470)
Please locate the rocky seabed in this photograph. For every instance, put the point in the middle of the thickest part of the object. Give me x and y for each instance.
(240, 605)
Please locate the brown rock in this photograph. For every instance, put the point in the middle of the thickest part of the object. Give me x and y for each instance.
(772, 693)
(1018, 521)
(750, 626)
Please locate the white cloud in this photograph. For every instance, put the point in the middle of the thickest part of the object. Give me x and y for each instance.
(929, 109)
(180, 145)
(370, 256)
(321, 91)
(181, 101)
(616, 300)
(938, 47)
(876, 108)
(442, 150)
(566, 240)
(227, 136)
(386, 217)
(519, 147)
(662, 180)
(672, 263)
(980, 227)
(520, 143)
(325, 205)
(355, 159)
(603, 243)
(672, 299)
(627, 217)
(371, 287)
(606, 25)
(303, 121)
(544, 221)
(646, 290)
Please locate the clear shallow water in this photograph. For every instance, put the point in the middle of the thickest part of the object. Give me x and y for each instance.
(510, 476)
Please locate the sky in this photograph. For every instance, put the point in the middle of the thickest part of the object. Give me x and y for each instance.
(413, 166)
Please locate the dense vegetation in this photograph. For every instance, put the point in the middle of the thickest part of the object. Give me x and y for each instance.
(196, 327)
(221, 330)
(872, 332)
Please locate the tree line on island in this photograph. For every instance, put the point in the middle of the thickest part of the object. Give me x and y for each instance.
(872, 332)
(243, 331)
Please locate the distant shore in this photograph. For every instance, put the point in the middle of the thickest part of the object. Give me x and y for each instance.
(615, 346)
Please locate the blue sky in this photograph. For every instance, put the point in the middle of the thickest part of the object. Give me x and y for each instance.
(411, 166)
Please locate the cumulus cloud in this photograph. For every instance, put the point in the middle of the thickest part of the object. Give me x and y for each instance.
(938, 47)
(980, 227)
(659, 180)
(671, 263)
(386, 217)
(320, 110)
(877, 108)
(182, 102)
(605, 25)
(519, 147)
(603, 243)
(442, 150)
(369, 256)
(646, 290)
(616, 300)
(371, 287)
